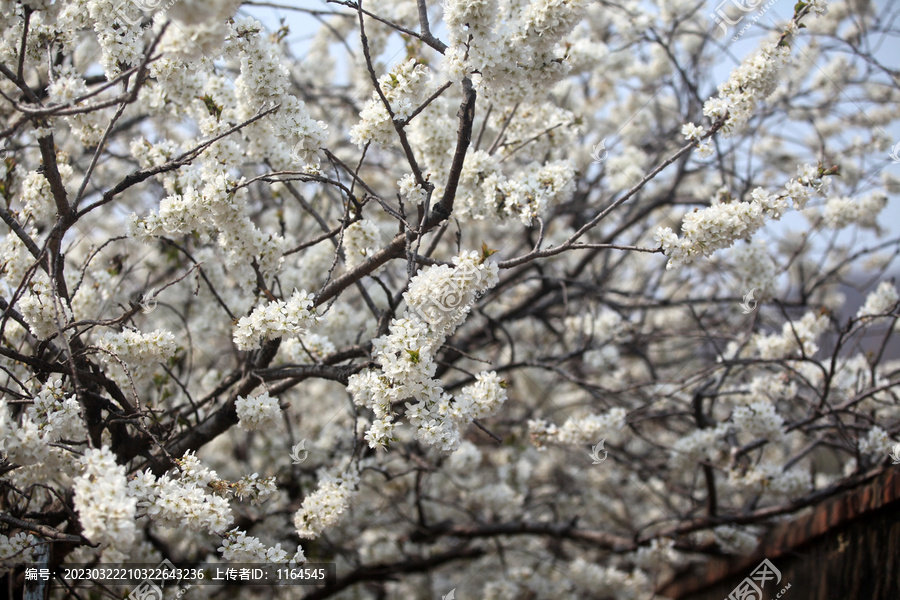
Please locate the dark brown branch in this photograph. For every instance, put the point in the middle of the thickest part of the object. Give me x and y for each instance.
(48, 532)
(397, 247)
(597, 539)
(387, 571)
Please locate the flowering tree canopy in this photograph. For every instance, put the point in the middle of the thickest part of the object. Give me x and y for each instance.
(482, 295)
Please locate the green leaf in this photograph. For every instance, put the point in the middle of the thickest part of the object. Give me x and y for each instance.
(486, 252)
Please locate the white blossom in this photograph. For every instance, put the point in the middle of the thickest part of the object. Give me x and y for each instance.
(237, 546)
(795, 336)
(864, 210)
(759, 419)
(411, 190)
(275, 319)
(702, 445)
(257, 412)
(735, 540)
(484, 397)
(405, 87)
(578, 430)
(182, 499)
(42, 308)
(876, 443)
(769, 478)
(138, 349)
(442, 296)
(692, 132)
(750, 83)
(57, 417)
(879, 302)
(324, 507)
(720, 225)
(105, 510)
(16, 550)
(360, 241)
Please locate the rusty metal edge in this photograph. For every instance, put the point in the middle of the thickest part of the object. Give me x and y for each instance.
(879, 489)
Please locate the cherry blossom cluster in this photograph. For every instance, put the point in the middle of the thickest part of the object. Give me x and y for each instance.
(275, 319)
(754, 268)
(754, 80)
(252, 487)
(617, 582)
(35, 439)
(202, 199)
(749, 84)
(880, 302)
(42, 308)
(183, 499)
(67, 88)
(290, 134)
(411, 189)
(876, 442)
(760, 420)
(58, 417)
(16, 549)
(361, 239)
(200, 27)
(23, 442)
(203, 203)
(659, 551)
(442, 296)
(575, 101)
(257, 412)
(404, 88)
(136, 348)
(488, 193)
(514, 59)
(720, 225)
(843, 211)
(308, 344)
(526, 195)
(735, 540)
(239, 547)
(36, 194)
(438, 300)
(771, 479)
(120, 39)
(471, 31)
(439, 418)
(580, 430)
(105, 509)
(322, 508)
(702, 445)
(795, 337)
